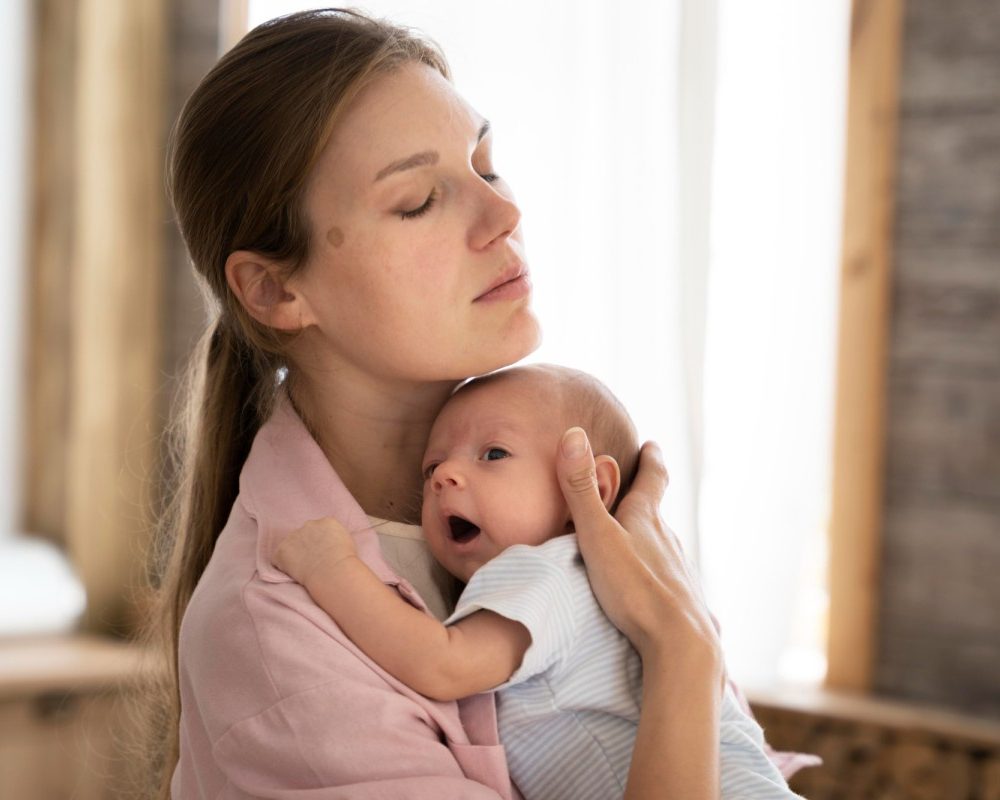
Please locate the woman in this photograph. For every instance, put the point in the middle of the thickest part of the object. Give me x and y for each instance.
(339, 202)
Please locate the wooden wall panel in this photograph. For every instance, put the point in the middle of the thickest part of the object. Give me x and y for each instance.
(113, 307)
(116, 294)
(939, 626)
(884, 750)
(50, 248)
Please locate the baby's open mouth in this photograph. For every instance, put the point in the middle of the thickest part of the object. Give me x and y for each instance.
(462, 530)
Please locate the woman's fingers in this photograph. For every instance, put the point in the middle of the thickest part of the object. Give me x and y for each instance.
(578, 480)
(651, 477)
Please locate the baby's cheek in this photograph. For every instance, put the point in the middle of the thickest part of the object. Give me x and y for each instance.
(427, 507)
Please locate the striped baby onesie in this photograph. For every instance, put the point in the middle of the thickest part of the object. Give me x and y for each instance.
(568, 715)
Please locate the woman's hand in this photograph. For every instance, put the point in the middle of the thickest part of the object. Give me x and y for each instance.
(314, 549)
(640, 578)
(634, 562)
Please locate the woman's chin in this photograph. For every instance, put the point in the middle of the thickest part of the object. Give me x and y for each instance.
(517, 343)
(479, 355)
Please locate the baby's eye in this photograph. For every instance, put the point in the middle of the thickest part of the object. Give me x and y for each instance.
(495, 454)
(428, 471)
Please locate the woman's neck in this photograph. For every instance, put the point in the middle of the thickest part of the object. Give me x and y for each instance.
(374, 434)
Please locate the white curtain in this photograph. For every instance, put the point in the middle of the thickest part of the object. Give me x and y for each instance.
(645, 141)
(775, 240)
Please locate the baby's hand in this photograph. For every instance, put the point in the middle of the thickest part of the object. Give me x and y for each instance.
(315, 548)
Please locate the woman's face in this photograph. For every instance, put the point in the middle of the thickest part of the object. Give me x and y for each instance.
(412, 234)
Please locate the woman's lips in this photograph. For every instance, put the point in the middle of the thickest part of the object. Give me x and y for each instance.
(510, 290)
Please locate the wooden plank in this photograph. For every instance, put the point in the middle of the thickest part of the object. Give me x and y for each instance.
(858, 446)
(50, 252)
(865, 709)
(62, 664)
(872, 747)
(116, 298)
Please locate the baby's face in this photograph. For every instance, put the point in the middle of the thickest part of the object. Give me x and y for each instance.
(490, 475)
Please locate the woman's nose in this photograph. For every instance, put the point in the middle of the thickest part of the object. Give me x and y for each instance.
(499, 216)
(447, 473)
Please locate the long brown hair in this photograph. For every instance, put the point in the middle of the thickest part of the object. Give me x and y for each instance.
(240, 156)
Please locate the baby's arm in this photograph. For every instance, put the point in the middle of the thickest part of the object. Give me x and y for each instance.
(444, 663)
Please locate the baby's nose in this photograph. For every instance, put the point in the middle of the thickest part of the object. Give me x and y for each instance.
(447, 473)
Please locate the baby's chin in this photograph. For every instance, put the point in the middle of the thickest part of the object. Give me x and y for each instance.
(463, 570)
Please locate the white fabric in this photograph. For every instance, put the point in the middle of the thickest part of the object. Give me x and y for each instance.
(568, 715)
(405, 550)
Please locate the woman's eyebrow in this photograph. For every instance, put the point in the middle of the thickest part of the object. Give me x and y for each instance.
(416, 160)
(424, 159)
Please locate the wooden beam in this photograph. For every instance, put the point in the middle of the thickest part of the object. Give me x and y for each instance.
(859, 428)
(115, 285)
(50, 252)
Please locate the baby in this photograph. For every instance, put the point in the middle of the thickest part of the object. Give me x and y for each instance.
(527, 624)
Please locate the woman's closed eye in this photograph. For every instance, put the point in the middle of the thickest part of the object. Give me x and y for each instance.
(419, 212)
(489, 177)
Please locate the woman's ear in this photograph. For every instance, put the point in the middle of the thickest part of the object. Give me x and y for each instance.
(609, 479)
(262, 289)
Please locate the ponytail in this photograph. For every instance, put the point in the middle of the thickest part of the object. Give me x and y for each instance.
(213, 436)
(226, 396)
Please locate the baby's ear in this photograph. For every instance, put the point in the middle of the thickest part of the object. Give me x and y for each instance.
(609, 479)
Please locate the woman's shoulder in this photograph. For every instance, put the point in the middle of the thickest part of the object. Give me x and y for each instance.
(247, 643)
(239, 613)
(276, 689)
(287, 481)
(249, 640)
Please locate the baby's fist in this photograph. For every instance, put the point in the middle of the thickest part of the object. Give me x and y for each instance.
(315, 548)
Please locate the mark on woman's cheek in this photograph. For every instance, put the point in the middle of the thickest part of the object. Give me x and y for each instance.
(335, 236)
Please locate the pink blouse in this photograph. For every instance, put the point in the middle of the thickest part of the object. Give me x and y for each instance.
(276, 701)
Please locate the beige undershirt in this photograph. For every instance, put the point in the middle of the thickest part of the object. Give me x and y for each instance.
(406, 551)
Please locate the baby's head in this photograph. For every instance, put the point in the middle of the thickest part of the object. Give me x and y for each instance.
(490, 465)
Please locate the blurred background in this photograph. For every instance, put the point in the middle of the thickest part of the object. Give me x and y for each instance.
(783, 223)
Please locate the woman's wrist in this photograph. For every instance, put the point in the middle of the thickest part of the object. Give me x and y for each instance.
(676, 752)
(698, 660)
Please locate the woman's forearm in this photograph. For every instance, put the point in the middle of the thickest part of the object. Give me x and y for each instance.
(676, 751)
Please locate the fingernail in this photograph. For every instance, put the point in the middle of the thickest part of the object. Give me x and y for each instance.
(574, 443)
